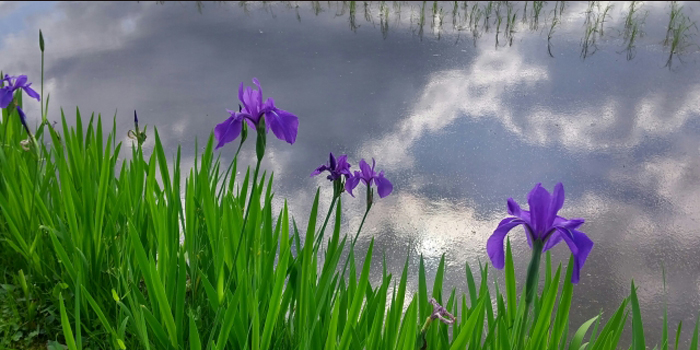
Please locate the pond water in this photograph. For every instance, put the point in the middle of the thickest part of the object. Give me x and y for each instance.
(459, 116)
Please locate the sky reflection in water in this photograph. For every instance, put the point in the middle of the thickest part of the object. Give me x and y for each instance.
(458, 124)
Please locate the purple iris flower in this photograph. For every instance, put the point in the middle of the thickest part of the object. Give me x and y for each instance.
(8, 90)
(367, 175)
(283, 124)
(542, 226)
(336, 168)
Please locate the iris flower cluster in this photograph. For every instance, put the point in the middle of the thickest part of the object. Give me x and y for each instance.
(340, 167)
(544, 228)
(7, 91)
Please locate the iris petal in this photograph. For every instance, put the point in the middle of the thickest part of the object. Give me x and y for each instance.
(227, 131)
(494, 245)
(513, 208)
(5, 97)
(241, 91)
(283, 124)
(20, 81)
(556, 203)
(319, 170)
(332, 161)
(580, 246)
(384, 186)
(539, 200)
(259, 92)
(552, 241)
(352, 182)
(33, 94)
(343, 166)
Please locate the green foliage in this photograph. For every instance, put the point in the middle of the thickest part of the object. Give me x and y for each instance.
(92, 250)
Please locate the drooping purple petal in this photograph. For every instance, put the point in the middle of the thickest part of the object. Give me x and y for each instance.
(283, 124)
(580, 246)
(352, 182)
(560, 223)
(539, 201)
(5, 96)
(228, 130)
(384, 186)
(563, 224)
(33, 94)
(494, 245)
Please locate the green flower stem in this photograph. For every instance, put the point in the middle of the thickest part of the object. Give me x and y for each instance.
(247, 209)
(533, 272)
(531, 282)
(362, 223)
(336, 195)
(260, 155)
(359, 229)
(370, 197)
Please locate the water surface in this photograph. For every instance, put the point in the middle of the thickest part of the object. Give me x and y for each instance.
(456, 120)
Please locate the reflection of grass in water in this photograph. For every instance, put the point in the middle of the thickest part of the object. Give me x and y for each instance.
(316, 7)
(678, 35)
(353, 11)
(368, 12)
(632, 20)
(510, 22)
(680, 31)
(562, 5)
(475, 15)
(455, 15)
(553, 25)
(499, 20)
(594, 24)
(536, 9)
(676, 10)
(384, 19)
(601, 19)
(474, 20)
(421, 20)
(488, 8)
(632, 30)
(590, 23)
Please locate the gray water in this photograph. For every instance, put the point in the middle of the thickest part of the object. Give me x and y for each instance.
(458, 122)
